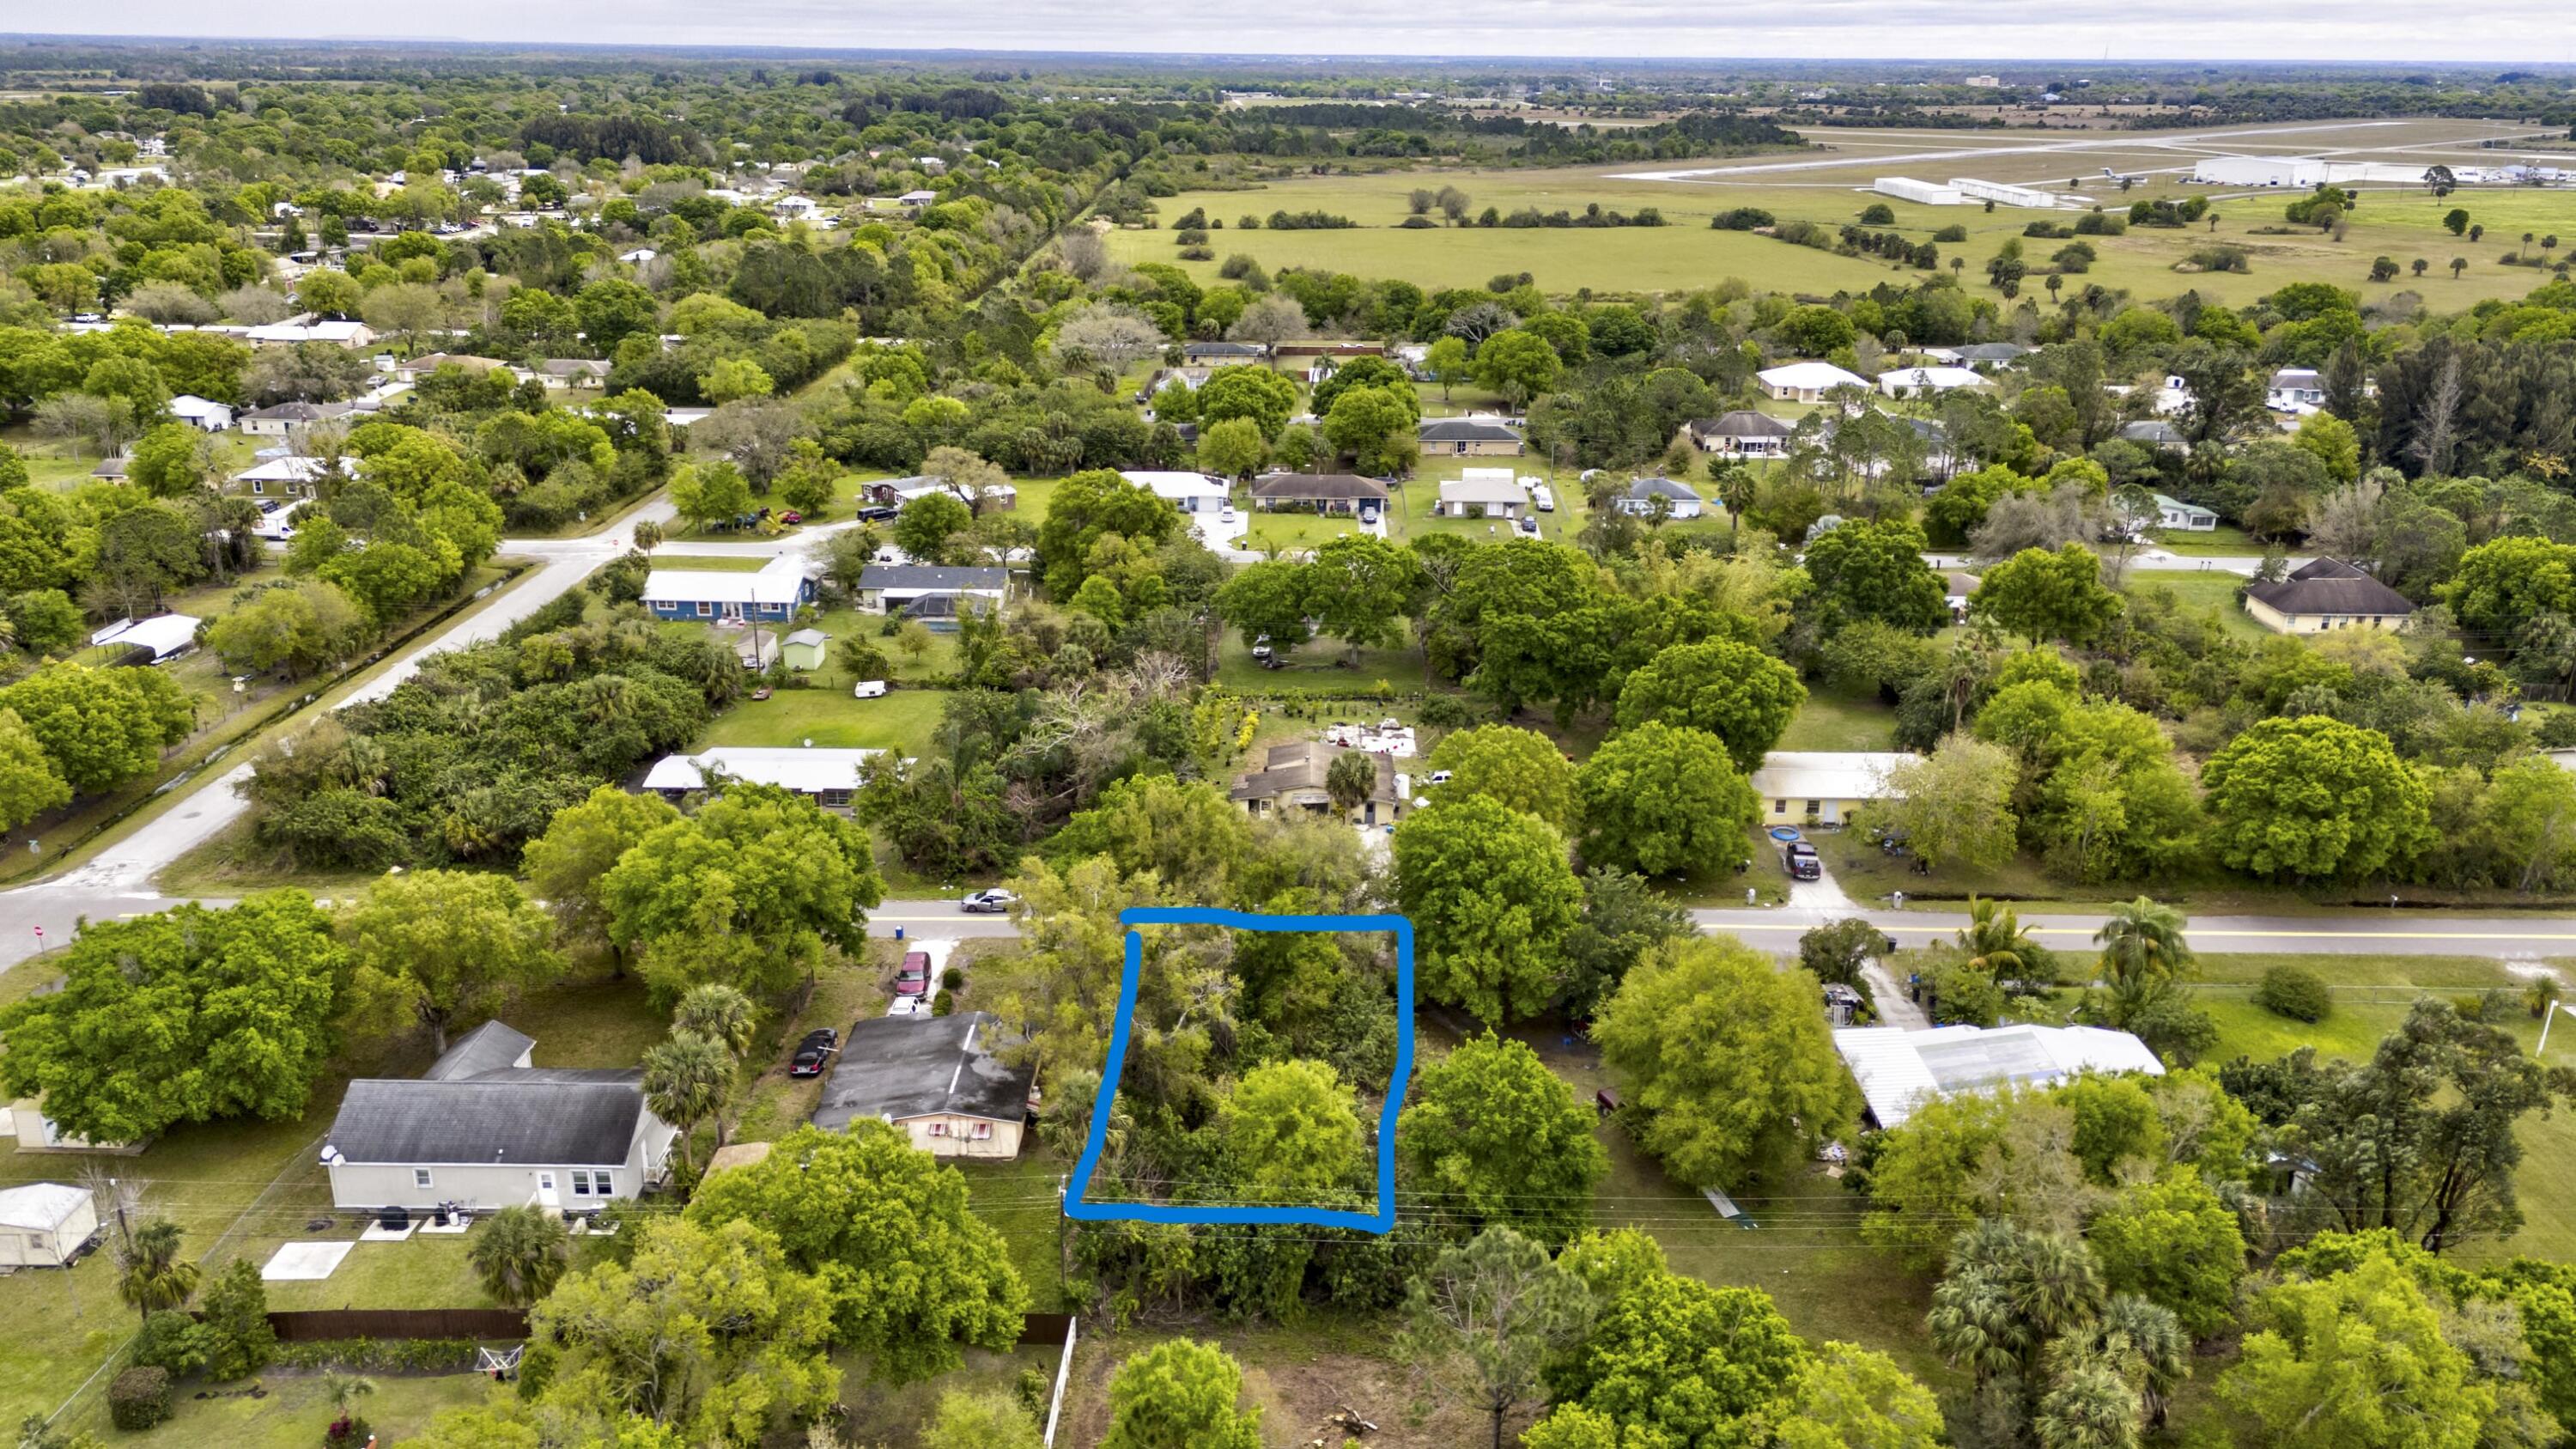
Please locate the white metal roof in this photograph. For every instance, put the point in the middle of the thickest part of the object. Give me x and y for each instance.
(163, 634)
(1898, 1071)
(189, 405)
(778, 582)
(1936, 378)
(1176, 485)
(805, 771)
(1810, 374)
(43, 1206)
(284, 470)
(1826, 774)
(1483, 490)
(346, 333)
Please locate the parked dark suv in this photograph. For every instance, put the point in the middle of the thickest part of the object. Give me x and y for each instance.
(1799, 859)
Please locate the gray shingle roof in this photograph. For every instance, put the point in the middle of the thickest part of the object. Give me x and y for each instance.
(1645, 488)
(491, 1047)
(901, 1067)
(1334, 487)
(518, 1117)
(1742, 423)
(2337, 588)
(1302, 765)
(1465, 430)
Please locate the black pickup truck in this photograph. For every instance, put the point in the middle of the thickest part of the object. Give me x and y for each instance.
(1798, 858)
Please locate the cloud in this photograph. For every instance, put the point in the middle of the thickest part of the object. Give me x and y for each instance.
(1451, 29)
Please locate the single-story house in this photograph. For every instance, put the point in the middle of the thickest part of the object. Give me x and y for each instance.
(2189, 517)
(917, 198)
(1898, 1071)
(926, 591)
(279, 420)
(1291, 778)
(1990, 354)
(921, 485)
(1214, 353)
(486, 1130)
(638, 256)
(289, 477)
(805, 649)
(1742, 434)
(201, 413)
(306, 329)
(111, 470)
(2155, 433)
(2295, 389)
(934, 1077)
(1483, 493)
(36, 1132)
(565, 372)
(1958, 587)
(1826, 786)
(162, 637)
(1468, 437)
(828, 777)
(45, 1224)
(1921, 381)
(1806, 382)
(1682, 502)
(774, 592)
(2324, 594)
(1322, 492)
(1188, 492)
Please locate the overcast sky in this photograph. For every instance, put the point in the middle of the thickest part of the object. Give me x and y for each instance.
(2518, 32)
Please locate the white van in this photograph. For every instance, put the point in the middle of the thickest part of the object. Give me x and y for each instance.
(869, 689)
(1546, 499)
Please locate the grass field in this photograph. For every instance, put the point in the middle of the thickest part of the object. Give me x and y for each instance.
(1832, 720)
(831, 719)
(1829, 186)
(2211, 590)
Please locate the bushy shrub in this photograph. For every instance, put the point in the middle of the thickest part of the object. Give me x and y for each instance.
(139, 1398)
(953, 979)
(170, 1340)
(1951, 233)
(1742, 218)
(2294, 992)
(1451, 712)
(395, 1355)
(944, 1004)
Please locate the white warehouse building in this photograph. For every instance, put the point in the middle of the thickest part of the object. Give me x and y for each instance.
(2003, 195)
(2310, 172)
(1925, 193)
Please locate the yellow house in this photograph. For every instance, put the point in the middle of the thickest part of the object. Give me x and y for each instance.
(1826, 786)
(2325, 594)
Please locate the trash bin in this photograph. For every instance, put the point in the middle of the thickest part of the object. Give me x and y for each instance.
(898, 933)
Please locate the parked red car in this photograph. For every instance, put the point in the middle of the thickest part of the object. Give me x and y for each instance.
(914, 977)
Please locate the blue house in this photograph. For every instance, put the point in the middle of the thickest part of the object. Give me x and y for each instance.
(773, 593)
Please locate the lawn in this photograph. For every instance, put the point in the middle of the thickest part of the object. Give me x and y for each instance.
(293, 1409)
(1296, 532)
(1321, 664)
(902, 721)
(2211, 590)
(715, 563)
(1834, 720)
(2224, 541)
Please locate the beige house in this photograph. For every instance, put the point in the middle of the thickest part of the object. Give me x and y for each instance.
(45, 1225)
(1468, 437)
(1483, 493)
(486, 1130)
(936, 1078)
(1826, 786)
(1291, 779)
(36, 1132)
(2325, 594)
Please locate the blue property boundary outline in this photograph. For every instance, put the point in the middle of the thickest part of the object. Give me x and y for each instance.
(1381, 1221)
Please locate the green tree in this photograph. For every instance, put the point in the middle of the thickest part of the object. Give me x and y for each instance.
(2356, 1361)
(1489, 1314)
(1255, 393)
(1954, 806)
(30, 782)
(1289, 1133)
(298, 626)
(1233, 448)
(1180, 1394)
(688, 1079)
(1350, 779)
(2173, 1242)
(750, 891)
(1658, 800)
(2315, 798)
(1447, 363)
(708, 1333)
(169, 461)
(719, 1013)
(521, 1254)
(1849, 1397)
(190, 1015)
(1520, 768)
(1491, 898)
(2143, 953)
(1360, 587)
(101, 727)
(927, 523)
(1671, 1360)
(1502, 1140)
(1734, 691)
(235, 1331)
(1865, 570)
(569, 864)
(1519, 365)
(2041, 595)
(1273, 597)
(981, 1421)
(1724, 1059)
(908, 1271)
(713, 493)
(440, 946)
(1375, 427)
(151, 1276)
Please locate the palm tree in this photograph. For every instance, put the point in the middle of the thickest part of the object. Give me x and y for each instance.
(151, 1276)
(720, 1013)
(2091, 1408)
(687, 1080)
(1995, 941)
(2144, 1343)
(521, 1254)
(1350, 779)
(2143, 950)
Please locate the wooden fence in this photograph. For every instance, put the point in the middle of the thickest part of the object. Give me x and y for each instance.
(327, 1324)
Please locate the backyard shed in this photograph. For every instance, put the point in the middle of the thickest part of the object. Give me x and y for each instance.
(45, 1225)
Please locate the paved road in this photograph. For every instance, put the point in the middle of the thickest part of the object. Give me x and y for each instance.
(2408, 933)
